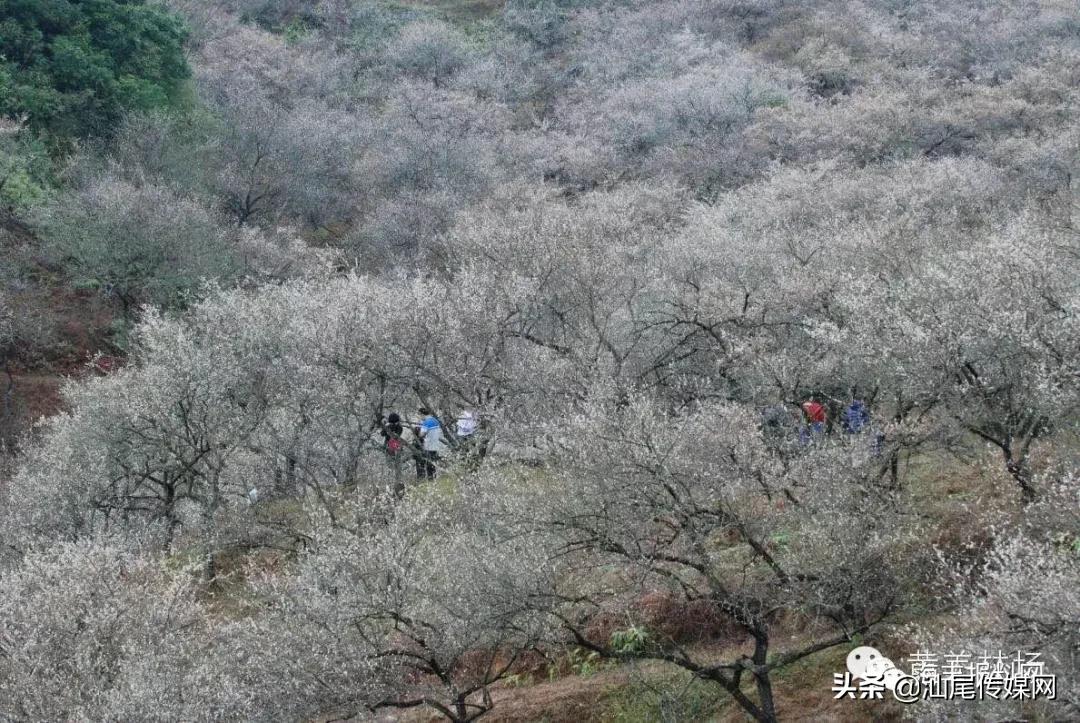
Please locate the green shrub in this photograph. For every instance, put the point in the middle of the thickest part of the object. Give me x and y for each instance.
(577, 661)
(631, 640)
(25, 170)
(73, 68)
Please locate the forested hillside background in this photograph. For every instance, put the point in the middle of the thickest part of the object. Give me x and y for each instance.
(632, 238)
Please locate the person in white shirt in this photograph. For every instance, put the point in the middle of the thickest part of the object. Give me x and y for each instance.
(471, 449)
(466, 425)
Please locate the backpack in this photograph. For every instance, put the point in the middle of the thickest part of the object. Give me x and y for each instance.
(393, 445)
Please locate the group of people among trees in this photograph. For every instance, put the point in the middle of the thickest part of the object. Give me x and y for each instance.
(426, 443)
(812, 420)
(620, 233)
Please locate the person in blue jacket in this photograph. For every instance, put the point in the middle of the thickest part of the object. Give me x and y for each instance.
(856, 417)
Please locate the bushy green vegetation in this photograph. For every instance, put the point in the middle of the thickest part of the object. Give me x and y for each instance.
(26, 172)
(72, 68)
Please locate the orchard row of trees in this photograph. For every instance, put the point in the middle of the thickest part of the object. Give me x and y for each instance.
(630, 343)
(371, 127)
(619, 233)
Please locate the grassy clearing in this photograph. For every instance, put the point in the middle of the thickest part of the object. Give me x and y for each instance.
(457, 10)
(665, 696)
(477, 19)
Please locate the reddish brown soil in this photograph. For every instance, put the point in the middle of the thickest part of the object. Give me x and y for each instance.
(67, 328)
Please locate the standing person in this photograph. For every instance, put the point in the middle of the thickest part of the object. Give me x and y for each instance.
(430, 432)
(417, 446)
(464, 429)
(815, 417)
(856, 417)
(394, 445)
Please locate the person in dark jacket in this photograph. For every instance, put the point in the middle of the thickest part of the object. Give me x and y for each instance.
(394, 446)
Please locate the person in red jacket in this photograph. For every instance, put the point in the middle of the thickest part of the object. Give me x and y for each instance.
(815, 416)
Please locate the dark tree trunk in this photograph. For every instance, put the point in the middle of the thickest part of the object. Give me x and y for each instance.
(7, 410)
(1018, 467)
(761, 675)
